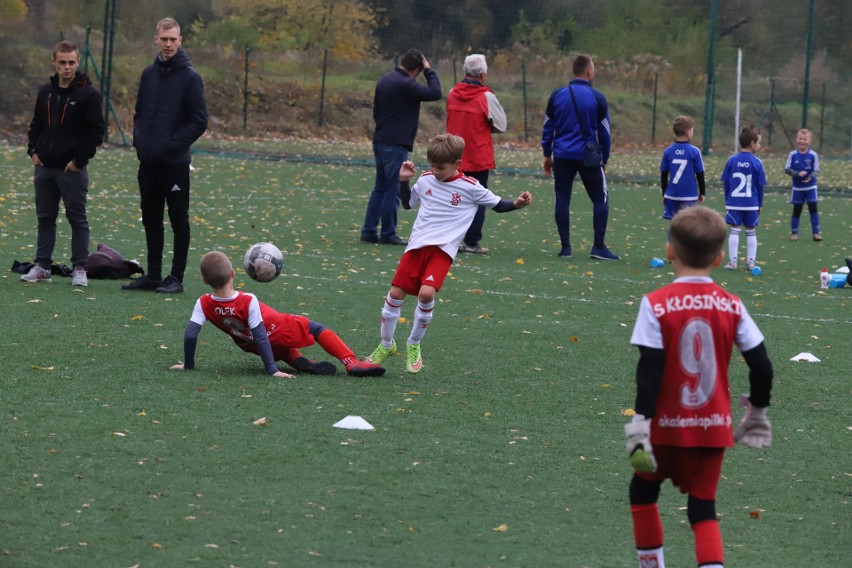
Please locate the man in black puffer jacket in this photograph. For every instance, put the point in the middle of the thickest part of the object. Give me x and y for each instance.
(170, 116)
(67, 128)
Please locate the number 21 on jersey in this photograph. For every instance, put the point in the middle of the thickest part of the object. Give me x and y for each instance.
(743, 187)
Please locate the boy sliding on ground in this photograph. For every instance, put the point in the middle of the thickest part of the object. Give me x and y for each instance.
(259, 329)
(448, 201)
(685, 333)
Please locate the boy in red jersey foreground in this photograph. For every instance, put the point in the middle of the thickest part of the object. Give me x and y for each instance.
(685, 333)
(447, 201)
(259, 329)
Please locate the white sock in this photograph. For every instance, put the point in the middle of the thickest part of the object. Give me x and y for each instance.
(651, 558)
(751, 244)
(422, 317)
(733, 245)
(390, 317)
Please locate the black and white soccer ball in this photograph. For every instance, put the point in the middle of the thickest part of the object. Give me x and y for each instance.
(263, 262)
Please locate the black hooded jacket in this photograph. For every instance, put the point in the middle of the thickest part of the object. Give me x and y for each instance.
(68, 123)
(170, 112)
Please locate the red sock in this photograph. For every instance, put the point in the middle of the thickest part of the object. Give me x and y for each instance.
(291, 355)
(647, 526)
(335, 347)
(708, 543)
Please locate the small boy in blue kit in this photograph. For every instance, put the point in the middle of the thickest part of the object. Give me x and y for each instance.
(681, 170)
(744, 180)
(803, 166)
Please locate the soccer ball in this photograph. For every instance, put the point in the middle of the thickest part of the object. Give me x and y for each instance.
(263, 262)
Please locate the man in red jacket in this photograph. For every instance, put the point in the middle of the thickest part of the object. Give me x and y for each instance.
(473, 112)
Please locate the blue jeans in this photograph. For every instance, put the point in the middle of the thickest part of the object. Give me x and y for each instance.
(384, 201)
(51, 186)
(564, 172)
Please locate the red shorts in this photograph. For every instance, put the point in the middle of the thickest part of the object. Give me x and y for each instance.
(692, 470)
(427, 266)
(285, 332)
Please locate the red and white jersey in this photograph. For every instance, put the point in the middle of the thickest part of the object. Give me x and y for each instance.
(446, 210)
(238, 314)
(696, 323)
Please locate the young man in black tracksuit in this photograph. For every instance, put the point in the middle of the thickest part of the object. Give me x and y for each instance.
(67, 128)
(170, 115)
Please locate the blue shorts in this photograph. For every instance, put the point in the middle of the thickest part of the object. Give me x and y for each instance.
(672, 206)
(800, 197)
(740, 218)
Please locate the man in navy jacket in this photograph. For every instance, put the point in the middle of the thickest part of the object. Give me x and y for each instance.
(577, 114)
(170, 115)
(67, 128)
(396, 110)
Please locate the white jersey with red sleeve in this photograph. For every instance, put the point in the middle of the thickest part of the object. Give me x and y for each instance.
(446, 210)
(696, 323)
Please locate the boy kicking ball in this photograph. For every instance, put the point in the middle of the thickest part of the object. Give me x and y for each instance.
(259, 329)
(685, 333)
(448, 201)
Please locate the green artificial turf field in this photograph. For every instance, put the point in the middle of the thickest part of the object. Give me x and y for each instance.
(506, 450)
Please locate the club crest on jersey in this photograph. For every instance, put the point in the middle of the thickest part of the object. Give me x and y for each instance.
(456, 199)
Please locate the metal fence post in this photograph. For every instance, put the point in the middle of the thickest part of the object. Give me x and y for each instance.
(709, 93)
(654, 110)
(322, 87)
(245, 89)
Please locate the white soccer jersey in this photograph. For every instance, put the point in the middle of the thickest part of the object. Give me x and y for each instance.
(446, 210)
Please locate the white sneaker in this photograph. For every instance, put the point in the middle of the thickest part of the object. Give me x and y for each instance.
(732, 265)
(79, 277)
(37, 274)
(750, 263)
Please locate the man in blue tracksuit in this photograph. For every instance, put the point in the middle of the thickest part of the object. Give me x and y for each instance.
(170, 116)
(396, 110)
(563, 140)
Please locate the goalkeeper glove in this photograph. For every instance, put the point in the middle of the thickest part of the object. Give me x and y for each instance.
(754, 429)
(639, 449)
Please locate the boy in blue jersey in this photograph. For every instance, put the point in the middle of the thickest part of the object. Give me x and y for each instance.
(803, 166)
(744, 180)
(681, 170)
